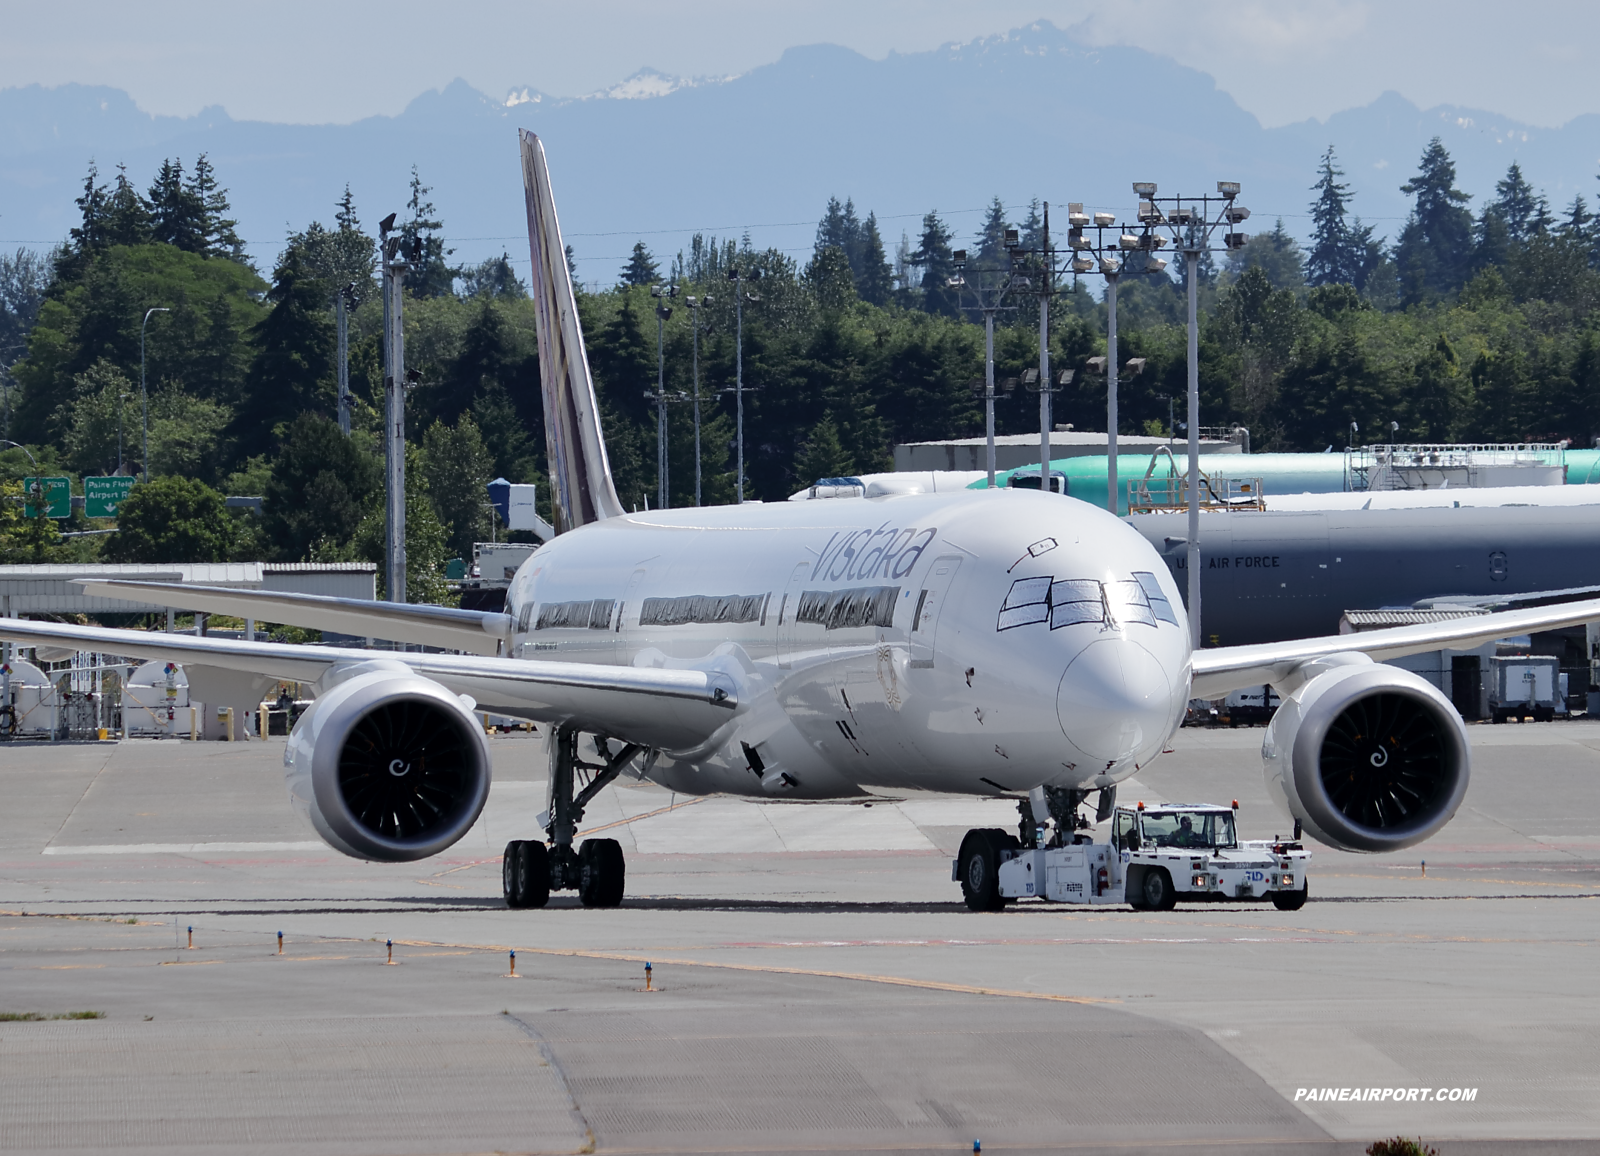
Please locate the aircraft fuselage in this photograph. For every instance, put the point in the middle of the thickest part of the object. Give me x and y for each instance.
(980, 643)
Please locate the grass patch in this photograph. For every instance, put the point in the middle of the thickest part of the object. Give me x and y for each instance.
(37, 1017)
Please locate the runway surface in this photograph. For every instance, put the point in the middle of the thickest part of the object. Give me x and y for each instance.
(818, 984)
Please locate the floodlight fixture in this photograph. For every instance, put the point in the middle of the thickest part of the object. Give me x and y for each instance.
(956, 282)
(1236, 240)
(1095, 365)
(1012, 238)
(386, 224)
(1133, 366)
(1148, 213)
(1128, 241)
(1181, 215)
(960, 258)
(1105, 220)
(1229, 189)
(1064, 378)
(1076, 217)
(1077, 240)
(1109, 266)
(1155, 265)
(1145, 189)
(1236, 214)
(1083, 265)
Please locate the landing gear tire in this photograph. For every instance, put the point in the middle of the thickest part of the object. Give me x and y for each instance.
(525, 874)
(980, 868)
(1157, 890)
(602, 873)
(1291, 900)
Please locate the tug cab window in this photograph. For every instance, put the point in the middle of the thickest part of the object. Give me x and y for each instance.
(1188, 829)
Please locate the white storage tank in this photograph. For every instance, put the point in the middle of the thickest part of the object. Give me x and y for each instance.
(30, 700)
(155, 701)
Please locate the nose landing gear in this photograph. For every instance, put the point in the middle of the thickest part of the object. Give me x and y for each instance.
(531, 870)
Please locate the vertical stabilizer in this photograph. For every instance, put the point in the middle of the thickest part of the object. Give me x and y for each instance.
(581, 490)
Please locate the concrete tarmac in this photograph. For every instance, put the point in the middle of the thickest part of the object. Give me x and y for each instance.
(817, 985)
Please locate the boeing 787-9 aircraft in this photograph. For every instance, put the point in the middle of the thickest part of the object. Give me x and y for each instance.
(988, 642)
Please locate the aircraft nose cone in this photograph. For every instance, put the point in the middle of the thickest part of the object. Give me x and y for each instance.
(1114, 700)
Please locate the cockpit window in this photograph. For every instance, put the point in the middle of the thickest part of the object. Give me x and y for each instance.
(1159, 606)
(1199, 829)
(1075, 600)
(1128, 603)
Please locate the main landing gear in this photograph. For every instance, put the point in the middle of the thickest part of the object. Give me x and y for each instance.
(531, 870)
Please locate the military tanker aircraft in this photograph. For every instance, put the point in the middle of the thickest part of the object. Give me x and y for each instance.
(984, 643)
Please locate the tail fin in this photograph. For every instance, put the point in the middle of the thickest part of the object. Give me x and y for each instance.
(581, 490)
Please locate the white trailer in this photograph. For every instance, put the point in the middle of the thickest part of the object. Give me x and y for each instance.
(1155, 857)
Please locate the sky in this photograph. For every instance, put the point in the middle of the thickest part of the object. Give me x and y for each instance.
(299, 61)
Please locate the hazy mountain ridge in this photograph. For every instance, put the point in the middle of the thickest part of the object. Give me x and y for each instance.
(1031, 112)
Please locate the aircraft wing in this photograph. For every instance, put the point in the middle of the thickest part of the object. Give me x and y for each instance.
(470, 630)
(1226, 668)
(673, 710)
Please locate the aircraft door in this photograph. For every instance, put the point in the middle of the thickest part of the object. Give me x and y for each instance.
(929, 602)
(630, 596)
(788, 604)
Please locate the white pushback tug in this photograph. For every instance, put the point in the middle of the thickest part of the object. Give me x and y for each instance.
(1155, 857)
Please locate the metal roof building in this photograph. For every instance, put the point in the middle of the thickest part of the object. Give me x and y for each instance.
(49, 588)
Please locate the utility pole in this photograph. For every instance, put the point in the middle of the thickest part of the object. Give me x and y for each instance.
(144, 394)
(341, 306)
(739, 296)
(1047, 288)
(663, 491)
(695, 305)
(394, 412)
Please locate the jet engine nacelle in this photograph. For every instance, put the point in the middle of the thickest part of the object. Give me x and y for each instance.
(1367, 757)
(389, 766)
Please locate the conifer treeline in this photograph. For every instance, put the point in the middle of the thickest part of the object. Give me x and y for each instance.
(1470, 323)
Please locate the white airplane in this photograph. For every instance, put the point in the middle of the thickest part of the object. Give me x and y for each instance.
(994, 643)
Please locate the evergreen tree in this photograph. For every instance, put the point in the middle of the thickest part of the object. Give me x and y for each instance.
(127, 218)
(89, 236)
(217, 228)
(294, 369)
(177, 214)
(420, 240)
(839, 229)
(934, 258)
(1031, 231)
(322, 483)
(1518, 206)
(1334, 258)
(991, 238)
(641, 268)
(1435, 250)
(875, 281)
(823, 455)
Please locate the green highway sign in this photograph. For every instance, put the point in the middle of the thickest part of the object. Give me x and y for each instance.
(102, 496)
(47, 497)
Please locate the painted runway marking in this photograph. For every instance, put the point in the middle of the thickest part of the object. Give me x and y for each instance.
(185, 848)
